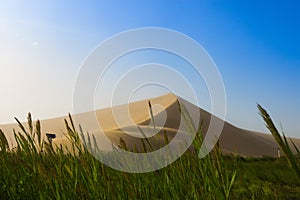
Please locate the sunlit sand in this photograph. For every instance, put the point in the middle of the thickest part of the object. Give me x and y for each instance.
(167, 118)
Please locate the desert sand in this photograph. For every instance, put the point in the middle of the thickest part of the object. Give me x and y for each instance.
(167, 117)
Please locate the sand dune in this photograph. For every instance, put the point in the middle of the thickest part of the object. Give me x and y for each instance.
(167, 118)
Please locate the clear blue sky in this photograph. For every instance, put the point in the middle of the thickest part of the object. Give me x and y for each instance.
(255, 44)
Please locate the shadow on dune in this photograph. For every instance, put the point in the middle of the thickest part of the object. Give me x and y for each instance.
(167, 117)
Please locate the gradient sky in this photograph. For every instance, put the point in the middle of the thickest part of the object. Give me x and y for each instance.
(255, 44)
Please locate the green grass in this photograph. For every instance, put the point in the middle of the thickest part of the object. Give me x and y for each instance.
(36, 170)
(265, 178)
(283, 143)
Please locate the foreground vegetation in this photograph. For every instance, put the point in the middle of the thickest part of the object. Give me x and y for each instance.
(36, 170)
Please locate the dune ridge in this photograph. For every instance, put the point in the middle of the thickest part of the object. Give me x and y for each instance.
(167, 116)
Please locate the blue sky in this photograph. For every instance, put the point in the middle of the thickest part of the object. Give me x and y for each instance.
(255, 44)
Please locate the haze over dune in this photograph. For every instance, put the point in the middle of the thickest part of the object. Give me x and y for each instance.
(167, 118)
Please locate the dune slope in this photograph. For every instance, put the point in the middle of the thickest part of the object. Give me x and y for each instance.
(167, 118)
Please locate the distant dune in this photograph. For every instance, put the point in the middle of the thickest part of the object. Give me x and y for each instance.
(167, 118)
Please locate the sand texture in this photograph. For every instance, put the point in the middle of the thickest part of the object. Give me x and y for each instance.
(134, 118)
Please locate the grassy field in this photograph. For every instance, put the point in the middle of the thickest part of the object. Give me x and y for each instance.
(36, 170)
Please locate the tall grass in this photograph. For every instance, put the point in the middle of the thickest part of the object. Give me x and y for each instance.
(35, 169)
(282, 142)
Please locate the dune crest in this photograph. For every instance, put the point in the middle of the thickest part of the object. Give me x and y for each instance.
(134, 117)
